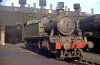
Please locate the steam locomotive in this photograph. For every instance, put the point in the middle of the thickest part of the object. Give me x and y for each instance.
(56, 35)
(91, 29)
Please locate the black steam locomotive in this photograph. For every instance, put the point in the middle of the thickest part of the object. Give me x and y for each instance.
(56, 35)
(91, 29)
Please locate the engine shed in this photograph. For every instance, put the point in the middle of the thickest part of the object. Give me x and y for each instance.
(12, 18)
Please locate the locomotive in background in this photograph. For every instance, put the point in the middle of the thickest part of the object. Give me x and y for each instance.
(56, 35)
(91, 29)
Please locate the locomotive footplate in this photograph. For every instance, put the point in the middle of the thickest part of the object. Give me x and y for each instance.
(37, 37)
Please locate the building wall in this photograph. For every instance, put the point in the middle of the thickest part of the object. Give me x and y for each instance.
(11, 16)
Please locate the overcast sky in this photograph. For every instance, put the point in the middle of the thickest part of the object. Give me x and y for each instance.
(86, 5)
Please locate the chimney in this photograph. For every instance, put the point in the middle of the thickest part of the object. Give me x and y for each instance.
(60, 12)
(92, 11)
(22, 3)
(66, 8)
(80, 9)
(29, 5)
(34, 5)
(42, 4)
(12, 4)
(51, 8)
(60, 5)
(77, 7)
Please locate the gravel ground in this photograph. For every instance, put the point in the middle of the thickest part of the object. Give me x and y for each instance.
(14, 54)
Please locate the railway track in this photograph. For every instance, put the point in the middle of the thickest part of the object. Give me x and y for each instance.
(89, 59)
(85, 62)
